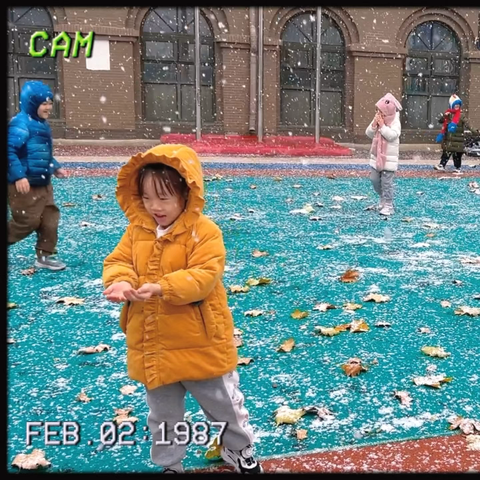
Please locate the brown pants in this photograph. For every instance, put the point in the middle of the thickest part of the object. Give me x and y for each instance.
(34, 211)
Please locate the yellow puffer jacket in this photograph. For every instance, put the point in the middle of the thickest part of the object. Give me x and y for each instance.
(187, 334)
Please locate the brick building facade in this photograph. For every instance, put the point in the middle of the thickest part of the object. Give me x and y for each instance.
(420, 54)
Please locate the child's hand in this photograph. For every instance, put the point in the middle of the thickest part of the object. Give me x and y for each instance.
(380, 121)
(147, 290)
(60, 173)
(119, 292)
(22, 186)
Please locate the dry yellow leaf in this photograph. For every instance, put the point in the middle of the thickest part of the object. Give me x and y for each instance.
(376, 297)
(405, 398)
(11, 305)
(71, 300)
(325, 247)
(239, 289)
(31, 461)
(473, 442)
(237, 331)
(350, 276)
(123, 415)
(285, 414)
(237, 341)
(328, 331)
(407, 219)
(359, 326)
(445, 304)
(435, 352)
(259, 253)
(298, 314)
(258, 281)
(323, 307)
(466, 425)
(301, 434)
(352, 306)
(471, 311)
(278, 179)
(287, 345)
(430, 235)
(69, 204)
(253, 187)
(253, 313)
(432, 380)
(214, 451)
(98, 196)
(28, 271)
(244, 360)
(424, 330)
(82, 397)
(99, 348)
(128, 389)
(353, 367)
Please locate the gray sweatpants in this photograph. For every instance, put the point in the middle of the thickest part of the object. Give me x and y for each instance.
(221, 401)
(383, 184)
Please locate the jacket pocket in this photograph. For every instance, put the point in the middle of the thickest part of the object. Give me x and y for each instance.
(208, 319)
(124, 317)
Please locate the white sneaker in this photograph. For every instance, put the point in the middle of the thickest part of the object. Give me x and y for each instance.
(242, 460)
(387, 210)
(439, 167)
(50, 263)
(457, 171)
(376, 207)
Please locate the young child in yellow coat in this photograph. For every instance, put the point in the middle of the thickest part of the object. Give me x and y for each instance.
(168, 269)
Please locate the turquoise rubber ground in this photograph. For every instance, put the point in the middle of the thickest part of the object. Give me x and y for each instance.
(394, 257)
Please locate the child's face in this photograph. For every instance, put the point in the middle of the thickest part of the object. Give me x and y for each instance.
(456, 107)
(45, 109)
(165, 209)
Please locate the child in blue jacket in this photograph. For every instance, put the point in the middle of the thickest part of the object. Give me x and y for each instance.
(30, 167)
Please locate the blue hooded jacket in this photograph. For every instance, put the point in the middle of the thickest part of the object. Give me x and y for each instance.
(29, 142)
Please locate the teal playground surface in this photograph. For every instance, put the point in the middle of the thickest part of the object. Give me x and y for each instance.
(398, 257)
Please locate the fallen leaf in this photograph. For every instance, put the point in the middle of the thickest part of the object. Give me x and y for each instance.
(244, 360)
(359, 326)
(376, 297)
(123, 415)
(253, 187)
(287, 345)
(353, 367)
(383, 324)
(473, 442)
(350, 276)
(328, 331)
(445, 304)
(323, 307)
(237, 341)
(297, 186)
(214, 451)
(128, 389)
(71, 301)
(237, 331)
(301, 434)
(424, 330)
(253, 313)
(99, 348)
(31, 461)
(28, 271)
(98, 196)
(11, 340)
(315, 219)
(11, 305)
(331, 176)
(258, 281)
(259, 253)
(471, 311)
(278, 179)
(338, 207)
(466, 425)
(336, 198)
(82, 397)
(86, 224)
(407, 219)
(239, 289)
(435, 352)
(322, 412)
(405, 398)
(358, 197)
(69, 204)
(430, 235)
(298, 314)
(325, 247)
(457, 282)
(431, 225)
(352, 306)
(285, 414)
(469, 260)
(432, 380)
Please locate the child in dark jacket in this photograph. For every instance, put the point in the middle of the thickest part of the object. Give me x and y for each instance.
(452, 135)
(30, 167)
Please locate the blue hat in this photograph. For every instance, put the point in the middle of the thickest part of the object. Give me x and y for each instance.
(454, 100)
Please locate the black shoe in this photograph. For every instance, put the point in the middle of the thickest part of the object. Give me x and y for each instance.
(242, 460)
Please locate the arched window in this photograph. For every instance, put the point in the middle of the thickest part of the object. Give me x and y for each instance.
(431, 74)
(168, 70)
(297, 72)
(21, 67)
